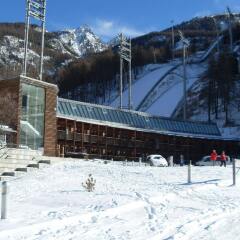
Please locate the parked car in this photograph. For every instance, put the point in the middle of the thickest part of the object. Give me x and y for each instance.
(206, 161)
(157, 161)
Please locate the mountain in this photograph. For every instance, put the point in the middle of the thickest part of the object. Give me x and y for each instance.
(61, 47)
(82, 41)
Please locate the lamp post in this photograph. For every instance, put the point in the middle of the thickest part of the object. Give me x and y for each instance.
(217, 32)
(185, 45)
(229, 14)
(35, 9)
(173, 39)
(125, 52)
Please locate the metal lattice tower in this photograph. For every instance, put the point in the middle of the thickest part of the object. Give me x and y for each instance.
(125, 52)
(35, 9)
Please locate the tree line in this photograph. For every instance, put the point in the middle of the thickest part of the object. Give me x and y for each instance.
(221, 77)
(96, 76)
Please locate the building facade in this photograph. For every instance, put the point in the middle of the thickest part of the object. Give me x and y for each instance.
(121, 134)
(57, 126)
(29, 107)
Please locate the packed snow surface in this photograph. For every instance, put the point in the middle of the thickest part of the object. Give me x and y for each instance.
(129, 202)
(170, 91)
(143, 85)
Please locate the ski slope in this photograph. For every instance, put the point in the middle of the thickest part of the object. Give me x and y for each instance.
(129, 203)
(143, 85)
(149, 102)
(170, 91)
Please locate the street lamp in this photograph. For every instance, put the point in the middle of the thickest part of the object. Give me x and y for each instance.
(229, 14)
(217, 32)
(35, 9)
(125, 52)
(173, 39)
(185, 43)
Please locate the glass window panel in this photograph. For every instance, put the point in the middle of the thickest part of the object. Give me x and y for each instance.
(80, 110)
(111, 115)
(32, 116)
(64, 108)
(97, 113)
(85, 112)
(119, 119)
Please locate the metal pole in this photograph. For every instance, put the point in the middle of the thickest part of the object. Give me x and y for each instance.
(217, 32)
(173, 40)
(26, 37)
(43, 38)
(121, 81)
(130, 81)
(230, 28)
(4, 201)
(230, 36)
(234, 171)
(184, 83)
(189, 172)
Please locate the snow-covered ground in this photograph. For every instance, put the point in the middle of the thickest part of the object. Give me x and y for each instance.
(129, 202)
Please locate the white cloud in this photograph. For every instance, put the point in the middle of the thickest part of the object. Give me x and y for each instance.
(109, 29)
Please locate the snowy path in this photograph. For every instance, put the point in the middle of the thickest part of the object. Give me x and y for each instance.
(130, 202)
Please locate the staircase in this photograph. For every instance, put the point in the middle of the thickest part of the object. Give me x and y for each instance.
(15, 162)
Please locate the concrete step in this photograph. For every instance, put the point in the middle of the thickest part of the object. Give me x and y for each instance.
(21, 157)
(45, 161)
(8, 173)
(24, 152)
(6, 178)
(16, 161)
(13, 165)
(21, 169)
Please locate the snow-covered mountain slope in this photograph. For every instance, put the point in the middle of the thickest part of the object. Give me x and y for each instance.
(81, 41)
(144, 83)
(129, 203)
(12, 51)
(171, 89)
(60, 47)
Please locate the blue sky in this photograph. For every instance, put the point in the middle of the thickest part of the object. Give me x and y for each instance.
(109, 17)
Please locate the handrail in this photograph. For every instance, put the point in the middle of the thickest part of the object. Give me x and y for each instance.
(3, 147)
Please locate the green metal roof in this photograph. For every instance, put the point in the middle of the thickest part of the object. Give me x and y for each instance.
(125, 118)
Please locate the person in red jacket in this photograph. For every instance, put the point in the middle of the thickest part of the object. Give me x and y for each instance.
(223, 159)
(213, 157)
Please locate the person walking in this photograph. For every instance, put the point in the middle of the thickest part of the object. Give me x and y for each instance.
(223, 159)
(213, 157)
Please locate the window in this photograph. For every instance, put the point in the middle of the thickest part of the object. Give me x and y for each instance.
(32, 116)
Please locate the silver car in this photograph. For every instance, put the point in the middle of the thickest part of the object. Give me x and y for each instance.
(206, 161)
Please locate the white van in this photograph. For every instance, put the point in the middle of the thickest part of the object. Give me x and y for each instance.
(157, 161)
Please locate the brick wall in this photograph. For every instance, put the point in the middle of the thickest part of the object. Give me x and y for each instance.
(50, 136)
(9, 104)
